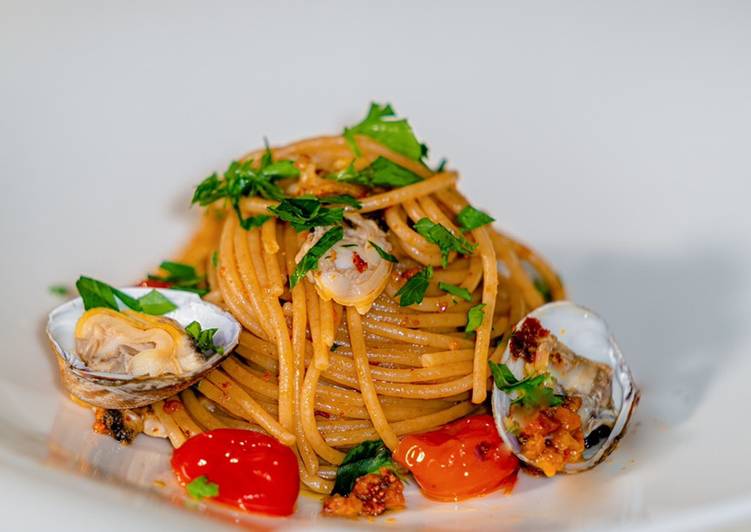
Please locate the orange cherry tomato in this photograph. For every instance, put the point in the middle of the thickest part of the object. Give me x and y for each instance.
(254, 471)
(463, 459)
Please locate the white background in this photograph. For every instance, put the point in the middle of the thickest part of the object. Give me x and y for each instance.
(613, 137)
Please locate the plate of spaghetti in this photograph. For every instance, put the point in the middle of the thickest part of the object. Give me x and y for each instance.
(344, 336)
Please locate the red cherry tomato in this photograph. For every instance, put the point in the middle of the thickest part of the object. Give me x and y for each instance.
(154, 283)
(254, 472)
(463, 459)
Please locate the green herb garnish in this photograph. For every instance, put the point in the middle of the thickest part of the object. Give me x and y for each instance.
(215, 259)
(531, 392)
(306, 212)
(381, 173)
(200, 488)
(368, 457)
(341, 199)
(413, 291)
(542, 287)
(385, 255)
(182, 277)
(156, 304)
(444, 239)
(310, 259)
(203, 339)
(470, 218)
(242, 180)
(382, 126)
(454, 290)
(96, 294)
(441, 166)
(60, 290)
(475, 317)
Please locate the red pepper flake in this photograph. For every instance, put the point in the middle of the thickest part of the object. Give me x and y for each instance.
(225, 385)
(525, 341)
(408, 274)
(359, 263)
(266, 376)
(172, 405)
(322, 414)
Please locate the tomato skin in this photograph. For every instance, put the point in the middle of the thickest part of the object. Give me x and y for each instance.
(463, 459)
(154, 283)
(254, 471)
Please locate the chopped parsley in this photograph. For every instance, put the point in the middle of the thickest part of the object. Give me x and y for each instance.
(542, 287)
(532, 392)
(341, 199)
(381, 173)
(215, 259)
(413, 291)
(200, 488)
(382, 125)
(242, 180)
(182, 277)
(306, 212)
(368, 457)
(470, 218)
(474, 318)
(385, 255)
(310, 259)
(60, 290)
(454, 290)
(96, 294)
(156, 304)
(203, 339)
(441, 166)
(444, 239)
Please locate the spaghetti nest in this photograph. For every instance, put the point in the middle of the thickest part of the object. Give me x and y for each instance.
(321, 376)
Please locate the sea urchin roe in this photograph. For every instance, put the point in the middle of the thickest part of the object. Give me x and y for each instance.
(525, 340)
(463, 459)
(553, 436)
(372, 494)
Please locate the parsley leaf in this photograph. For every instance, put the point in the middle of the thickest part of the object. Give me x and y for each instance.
(368, 457)
(441, 166)
(215, 259)
(382, 126)
(241, 180)
(413, 291)
(200, 488)
(60, 290)
(381, 173)
(531, 392)
(96, 294)
(542, 287)
(470, 218)
(156, 304)
(444, 239)
(474, 317)
(306, 212)
(203, 339)
(182, 277)
(310, 259)
(342, 199)
(454, 290)
(385, 255)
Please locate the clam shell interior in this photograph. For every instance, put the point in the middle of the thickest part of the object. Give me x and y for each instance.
(589, 336)
(113, 390)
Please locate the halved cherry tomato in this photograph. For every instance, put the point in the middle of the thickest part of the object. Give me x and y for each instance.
(460, 460)
(254, 472)
(154, 283)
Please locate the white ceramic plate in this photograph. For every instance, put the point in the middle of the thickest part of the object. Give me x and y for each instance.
(614, 139)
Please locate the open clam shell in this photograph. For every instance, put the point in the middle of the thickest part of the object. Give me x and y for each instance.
(589, 336)
(120, 391)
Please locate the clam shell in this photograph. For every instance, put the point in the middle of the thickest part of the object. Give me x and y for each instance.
(589, 336)
(119, 391)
